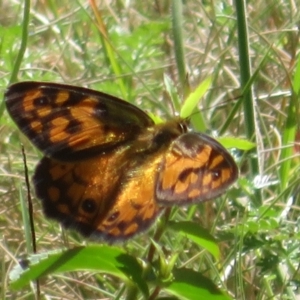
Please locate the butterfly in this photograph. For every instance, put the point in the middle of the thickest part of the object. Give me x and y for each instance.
(108, 169)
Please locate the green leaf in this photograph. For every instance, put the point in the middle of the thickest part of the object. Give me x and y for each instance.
(191, 285)
(197, 234)
(231, 142)
(100, 258)
(193, 99)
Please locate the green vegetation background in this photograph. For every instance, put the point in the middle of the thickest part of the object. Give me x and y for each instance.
(153, 54)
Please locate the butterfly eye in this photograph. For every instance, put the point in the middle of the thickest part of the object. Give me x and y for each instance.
(89, 206)
(183, 127)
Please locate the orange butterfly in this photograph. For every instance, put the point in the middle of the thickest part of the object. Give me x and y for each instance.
(108, 169)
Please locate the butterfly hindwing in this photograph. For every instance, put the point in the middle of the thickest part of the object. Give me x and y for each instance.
(98, 197)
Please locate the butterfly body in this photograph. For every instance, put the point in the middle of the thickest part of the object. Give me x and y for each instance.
(108, 168)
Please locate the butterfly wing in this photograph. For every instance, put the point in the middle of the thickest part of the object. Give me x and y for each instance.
(70, 123)
(195, 168)
(135, 208)
(100, 197)
(109, 167)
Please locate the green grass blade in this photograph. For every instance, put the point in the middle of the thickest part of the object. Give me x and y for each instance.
(248, 99)
(178, 44)
(289, 133)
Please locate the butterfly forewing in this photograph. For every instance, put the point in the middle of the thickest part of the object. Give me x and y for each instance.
(70, 123)
(195, 168)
